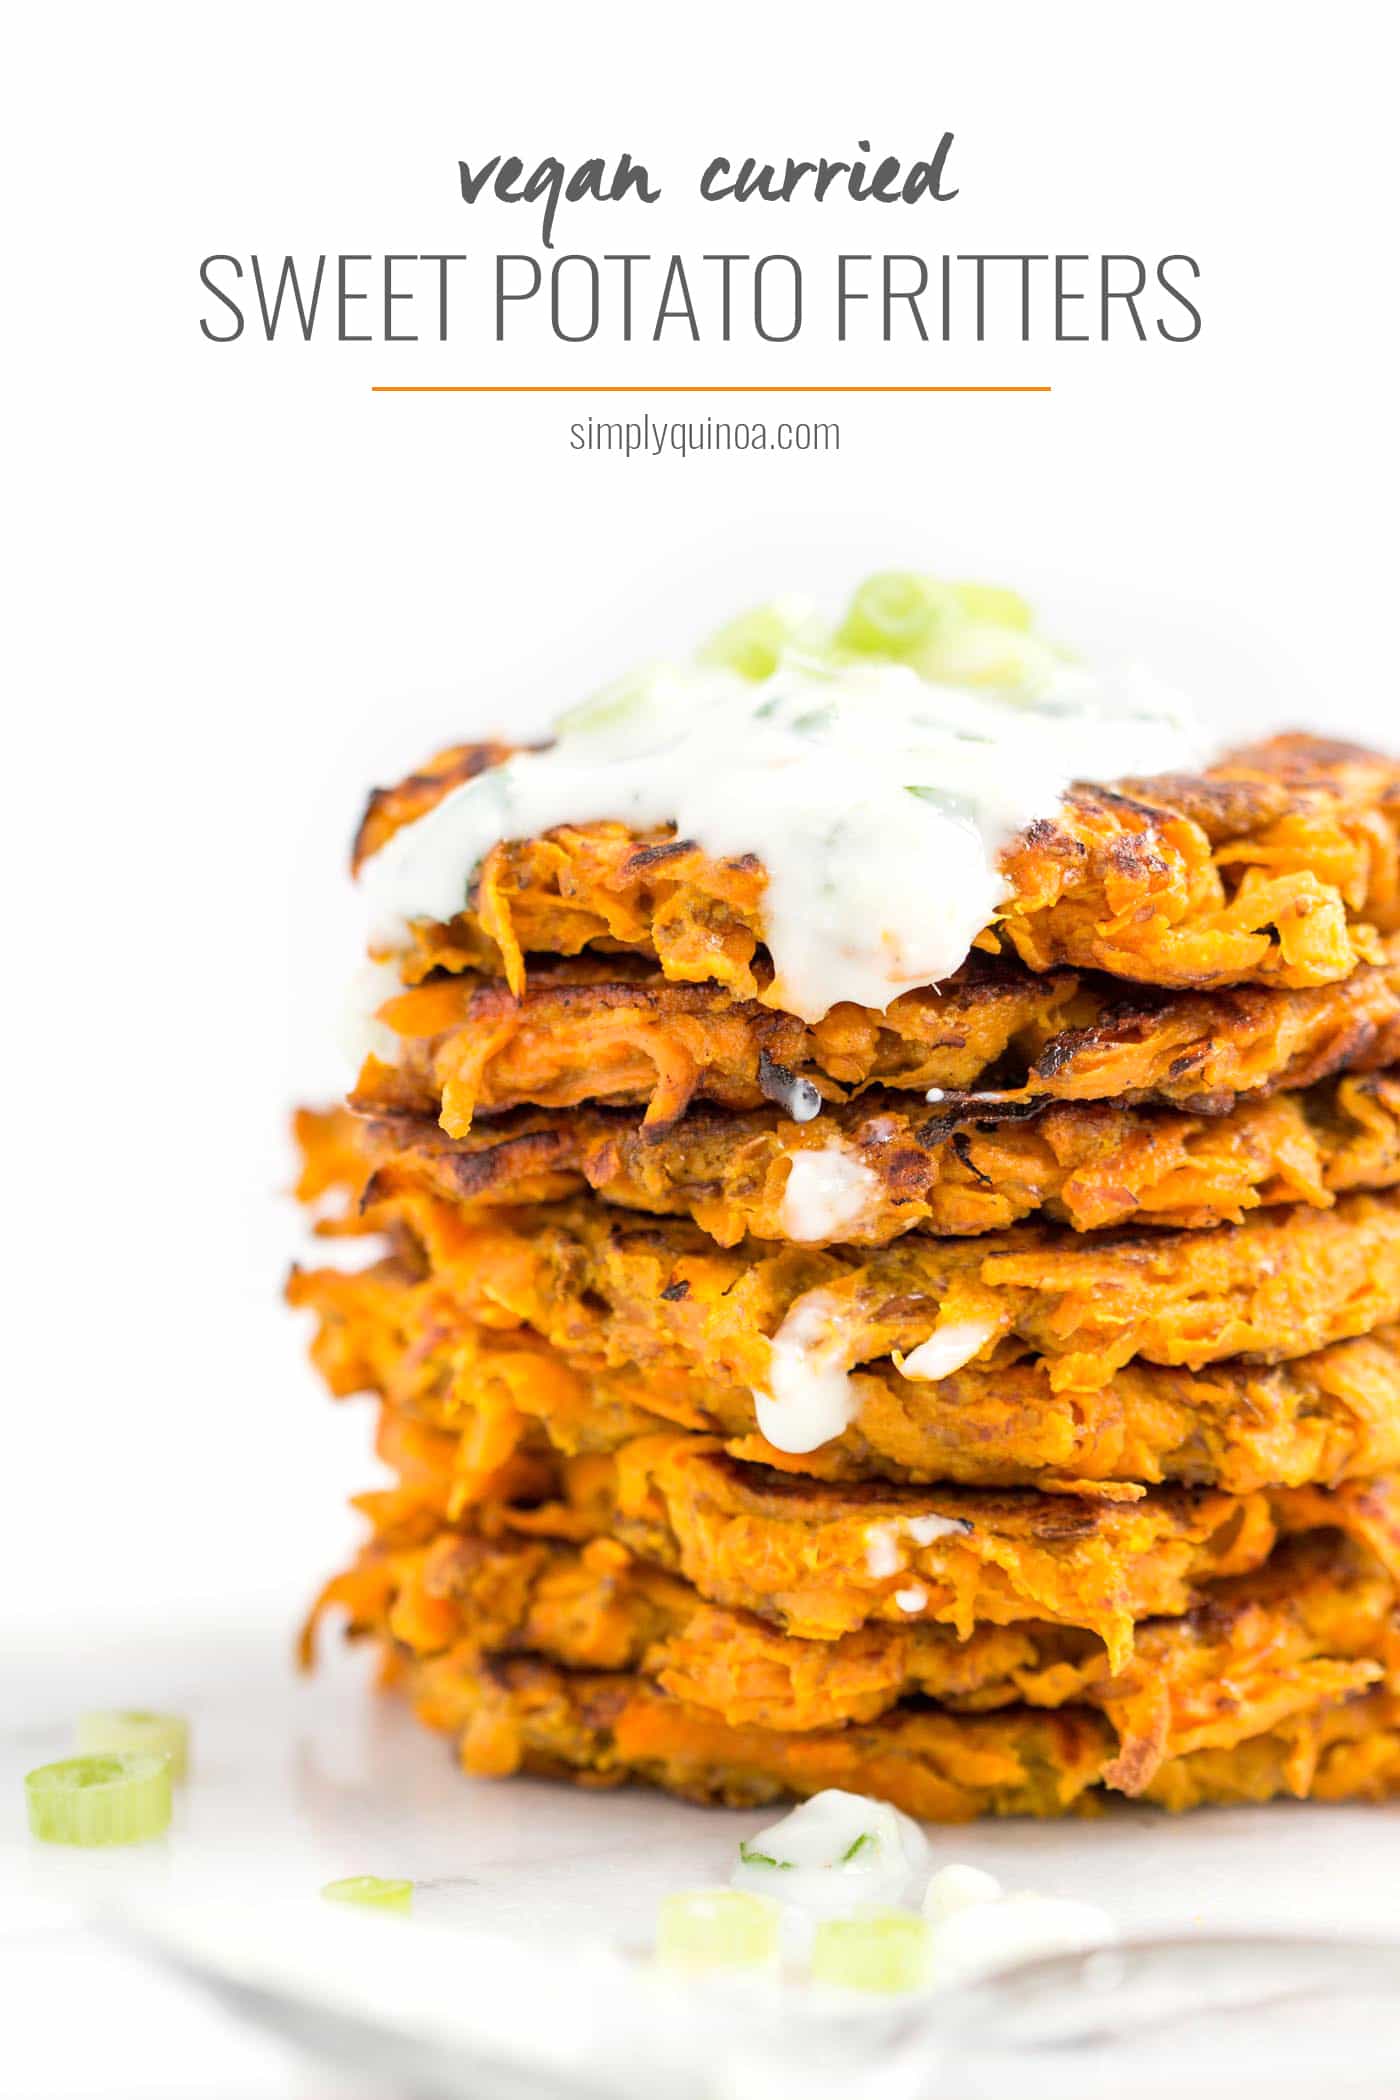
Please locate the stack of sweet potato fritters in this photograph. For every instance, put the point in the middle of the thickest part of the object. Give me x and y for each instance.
(1099, 1243)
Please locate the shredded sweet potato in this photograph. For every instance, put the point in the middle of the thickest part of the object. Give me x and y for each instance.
(1316, 1624)
(603, 1728)
(1330, 1416)
(1089, 1165)
(1273, 866)
(994, 1039)
(608, 1288)
(820, 1559)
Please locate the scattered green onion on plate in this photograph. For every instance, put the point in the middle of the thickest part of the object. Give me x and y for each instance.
(703, 1929)
(100, 1800)
(876, 1950)
(133, 1728)
(371, 1892)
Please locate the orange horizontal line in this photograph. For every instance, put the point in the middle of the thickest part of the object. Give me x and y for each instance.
(709, 390)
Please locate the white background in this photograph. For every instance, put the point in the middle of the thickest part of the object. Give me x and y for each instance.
(244, 588)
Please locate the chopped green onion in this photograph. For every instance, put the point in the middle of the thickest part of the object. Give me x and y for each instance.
(107, 1800)
(857, 1846)
(132, 1728)
(753, 644)
(976, 653)
(946, 799)
(372, 1892)
(759, 1859)
(995, 604)
(898, 614)
(717, 1929)
(615, 705)
(876, 1950)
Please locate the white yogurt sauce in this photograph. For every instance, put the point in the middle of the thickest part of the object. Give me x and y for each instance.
(810, 1398)
(362, 1033)
(951, 1345)
(958, 1887)
(835, 1853)
(973, 1938)
(885, 1554)
(829, 1192)
(877, 801)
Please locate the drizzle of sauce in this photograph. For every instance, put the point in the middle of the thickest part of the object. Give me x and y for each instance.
(877, 801)
(835, 1853)
(828, 1194)
(958, 1887)
(885, 1554)
(948, 1348)
(362, 1034)
(810, 1397)
(983, 1932)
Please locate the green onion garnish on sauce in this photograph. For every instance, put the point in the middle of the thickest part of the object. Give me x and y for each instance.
(899, 615)
(100, 1800)
(752, 1858)
(371, 1892)
(994, 604)
(122, 1729)
(753, 644)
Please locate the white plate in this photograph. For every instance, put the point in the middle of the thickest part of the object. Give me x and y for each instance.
(519, 1970)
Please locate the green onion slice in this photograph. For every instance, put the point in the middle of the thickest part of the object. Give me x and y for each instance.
(119, 1729)
(717, 1929)
(876, 1950)
(753, 645)
(996, 605)
(100, 1800)
(753, 1858)
(900, 615)
(371, 1891)
(617, 706)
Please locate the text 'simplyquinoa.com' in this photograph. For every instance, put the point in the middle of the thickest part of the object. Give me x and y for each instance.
(649, 437)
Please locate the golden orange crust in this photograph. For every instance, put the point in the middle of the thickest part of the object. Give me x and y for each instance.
(820, 1560)
(1089, 1165)
(602, 1729)
(1273, 866)
(1316, 1624)
(608, 1288)
(508, 1396)
(993, 1037)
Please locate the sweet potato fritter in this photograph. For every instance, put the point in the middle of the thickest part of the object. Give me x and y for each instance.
(820, 1559)
(1272, 866)
(609, 1288)
(618, 1033)
(508, 1398)
(602, 1728)
(1089, 1165)
(1316, 1624)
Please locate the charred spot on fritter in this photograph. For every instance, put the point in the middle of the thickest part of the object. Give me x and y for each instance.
(1223, 809)
(388, 808)
(655, 856)
(1151, 813)
(788, 1089)
(1133, 856)
(962, 1146)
